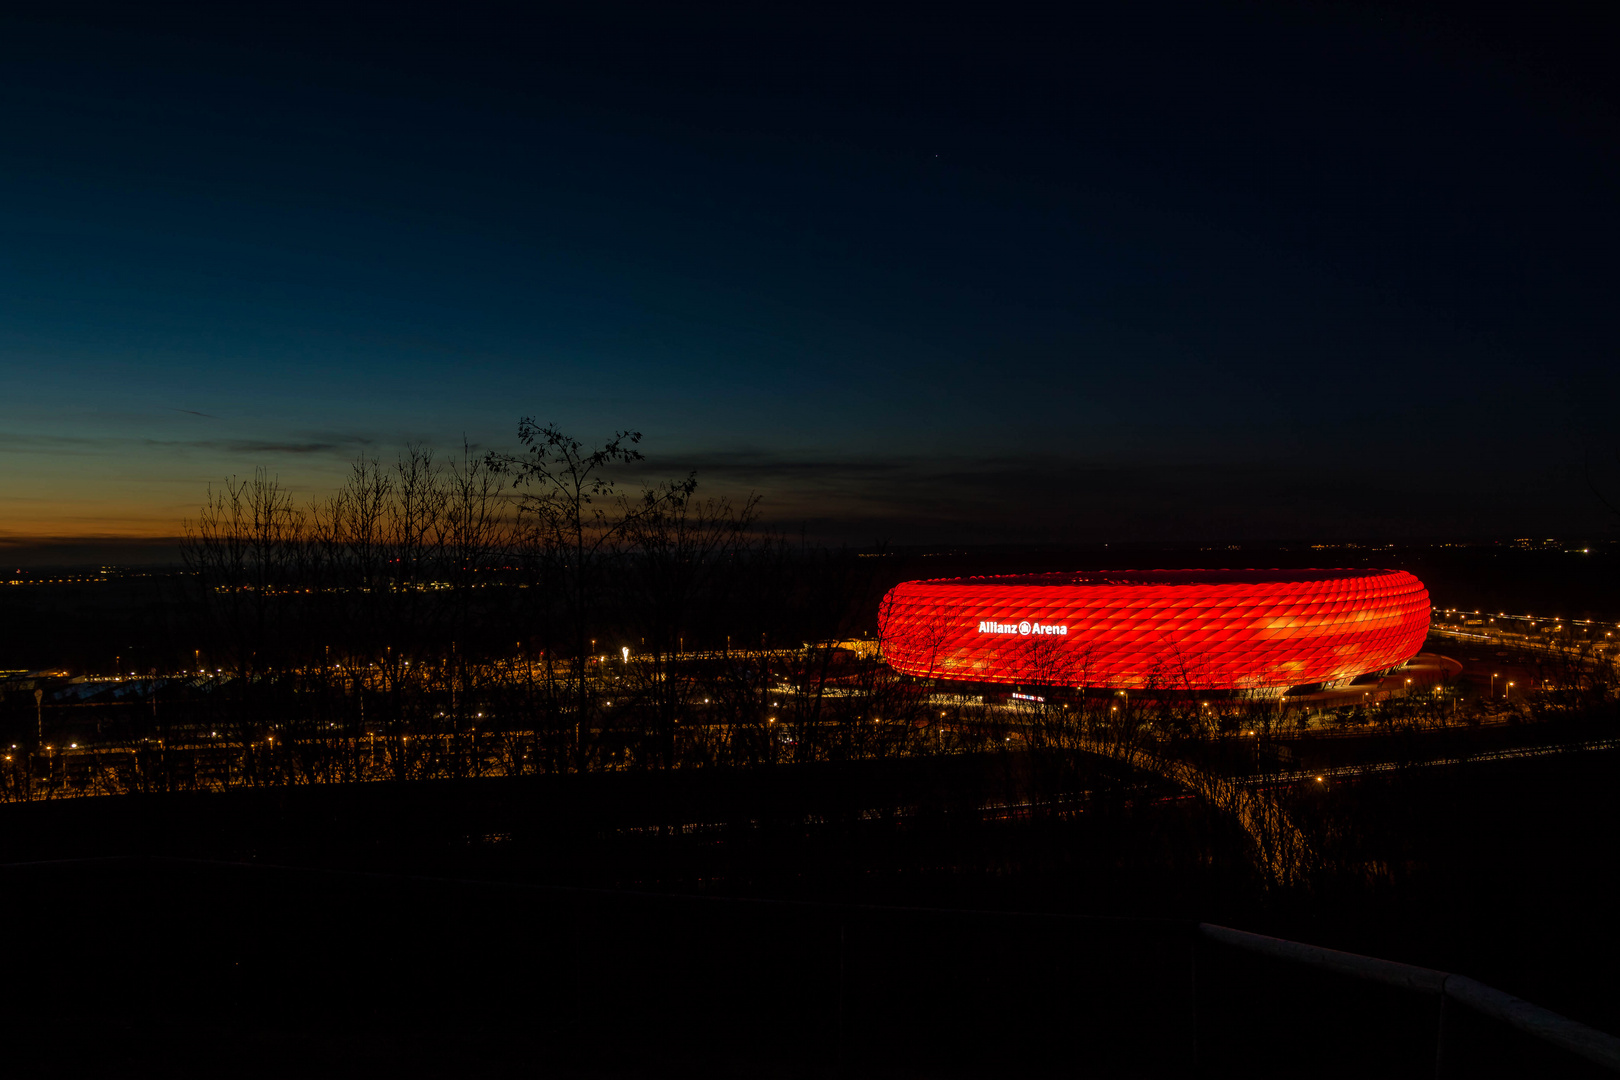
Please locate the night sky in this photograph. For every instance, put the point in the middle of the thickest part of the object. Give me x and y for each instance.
(1204, 272)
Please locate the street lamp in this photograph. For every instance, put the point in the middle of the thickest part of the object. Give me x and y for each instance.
(1494, 677)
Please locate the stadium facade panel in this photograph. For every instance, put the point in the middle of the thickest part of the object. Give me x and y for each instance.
(1166, 629)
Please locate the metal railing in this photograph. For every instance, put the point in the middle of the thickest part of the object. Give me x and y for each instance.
(1595, 1047)
(752, 987)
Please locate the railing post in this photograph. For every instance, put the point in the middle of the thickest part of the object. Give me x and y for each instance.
(1440, 1033)
(840, 1066)
(1197, 999)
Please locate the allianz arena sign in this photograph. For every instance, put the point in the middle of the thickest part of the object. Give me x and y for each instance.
(1024, 628)
(1192, 629)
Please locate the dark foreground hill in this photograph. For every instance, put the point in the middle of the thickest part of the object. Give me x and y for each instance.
(495, 927)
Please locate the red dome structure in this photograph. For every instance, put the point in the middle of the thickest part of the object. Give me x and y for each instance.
(1164, 629)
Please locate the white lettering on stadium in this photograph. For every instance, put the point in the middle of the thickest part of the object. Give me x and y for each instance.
(1024, 628)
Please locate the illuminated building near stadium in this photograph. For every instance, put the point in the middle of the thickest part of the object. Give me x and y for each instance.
(1166, 629)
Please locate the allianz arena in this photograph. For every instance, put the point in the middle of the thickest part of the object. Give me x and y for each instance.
(1164, 629)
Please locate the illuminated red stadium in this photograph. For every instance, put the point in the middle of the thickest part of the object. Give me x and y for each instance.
(1168, 629)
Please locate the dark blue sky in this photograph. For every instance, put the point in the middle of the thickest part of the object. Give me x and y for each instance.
(1201, 272)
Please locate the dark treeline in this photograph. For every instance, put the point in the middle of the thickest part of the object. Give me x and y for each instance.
(525, 602)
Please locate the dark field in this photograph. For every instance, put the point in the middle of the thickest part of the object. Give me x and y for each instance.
(1500, 870)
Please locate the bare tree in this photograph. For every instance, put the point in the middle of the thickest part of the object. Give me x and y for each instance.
(566, 496)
